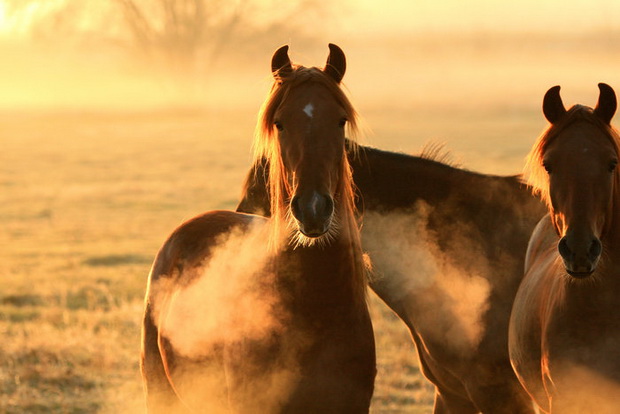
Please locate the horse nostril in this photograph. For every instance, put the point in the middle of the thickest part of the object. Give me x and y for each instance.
(295, 208)
(328, 208)
(596, 248)
(564, 250)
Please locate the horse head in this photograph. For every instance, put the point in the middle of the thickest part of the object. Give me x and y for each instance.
(309, 113)
(580, 158)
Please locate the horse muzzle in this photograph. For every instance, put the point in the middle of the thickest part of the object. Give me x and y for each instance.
(580, 259)
(313, 212)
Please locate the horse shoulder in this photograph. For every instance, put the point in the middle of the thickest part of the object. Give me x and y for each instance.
(542, 239)
(531, 312)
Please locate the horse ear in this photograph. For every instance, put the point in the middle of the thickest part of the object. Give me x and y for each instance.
(336, 63)
(553, 108)
(281, 64)
(606, 105)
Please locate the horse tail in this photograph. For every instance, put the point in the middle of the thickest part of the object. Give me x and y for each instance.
(161, 398)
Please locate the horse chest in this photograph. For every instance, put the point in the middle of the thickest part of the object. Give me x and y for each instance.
(318, 277)
(586, 323)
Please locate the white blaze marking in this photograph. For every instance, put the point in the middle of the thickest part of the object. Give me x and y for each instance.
(314, 203)
(309, 109)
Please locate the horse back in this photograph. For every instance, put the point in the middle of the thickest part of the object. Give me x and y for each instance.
(193, 240)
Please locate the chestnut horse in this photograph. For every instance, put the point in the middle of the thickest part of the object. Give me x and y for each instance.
(447, 247)
(565, 326)
(248, 314)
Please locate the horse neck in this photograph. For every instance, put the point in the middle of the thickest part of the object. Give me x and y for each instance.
(330, 274)
(375, 173)
(496, 207)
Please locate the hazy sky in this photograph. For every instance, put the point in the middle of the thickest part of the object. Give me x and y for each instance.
(456, 15)
(372, 16)
(372, 32)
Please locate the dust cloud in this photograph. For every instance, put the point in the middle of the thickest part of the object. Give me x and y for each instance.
(226, 323)
(408, 263)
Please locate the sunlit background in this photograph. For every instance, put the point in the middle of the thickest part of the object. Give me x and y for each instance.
(405, 58)
(121, 118)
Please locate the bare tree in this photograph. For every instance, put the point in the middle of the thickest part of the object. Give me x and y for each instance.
(182, 32)
(185, 36)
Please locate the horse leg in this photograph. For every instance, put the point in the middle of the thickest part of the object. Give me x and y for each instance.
(160, 396)
(447, 403)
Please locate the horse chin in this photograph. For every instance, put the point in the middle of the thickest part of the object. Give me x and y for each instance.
(313, 234)
(318, 235)
(580, 271)
(580, 275)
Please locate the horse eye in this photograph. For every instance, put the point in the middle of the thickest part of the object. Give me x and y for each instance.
(613, 165)
(279, 126)
(342, 122)
(547, 167)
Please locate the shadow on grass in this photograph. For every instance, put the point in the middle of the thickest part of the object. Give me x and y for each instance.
(117, 260)
(20, 300)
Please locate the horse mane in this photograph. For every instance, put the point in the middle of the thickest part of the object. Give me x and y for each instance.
(437, 151)
(266, 149)
(534, 173)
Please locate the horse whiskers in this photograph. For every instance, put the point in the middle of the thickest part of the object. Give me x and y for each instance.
(606, 256)
(298, 239)
(592, 280)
